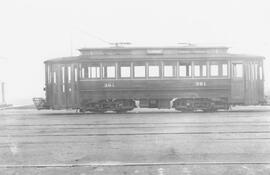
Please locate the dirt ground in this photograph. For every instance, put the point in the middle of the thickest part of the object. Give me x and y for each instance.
(140, 142)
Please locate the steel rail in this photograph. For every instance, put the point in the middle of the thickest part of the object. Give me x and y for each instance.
(122, 164)
(150, 133)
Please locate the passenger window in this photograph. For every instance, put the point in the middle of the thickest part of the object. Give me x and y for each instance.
(204, 73)
(238, 70)
(224, 70)
(139, 71)
(185, 70)
(197, 70)
(125, 71)
(214, 70)
(94, 72)
(153, 71)
(109, 71)
(200, 70)
(168, 71)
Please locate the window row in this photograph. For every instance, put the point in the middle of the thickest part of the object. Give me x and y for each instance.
(155, 70)
(253, 71)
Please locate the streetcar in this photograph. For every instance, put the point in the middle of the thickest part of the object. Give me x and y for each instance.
(186, 78)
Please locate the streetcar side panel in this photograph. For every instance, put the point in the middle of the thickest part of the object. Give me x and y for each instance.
(154, 89)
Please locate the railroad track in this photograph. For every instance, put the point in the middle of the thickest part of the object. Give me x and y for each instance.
(121, 164)
(50, 114)
(143, 133)
(168, 128)
(142, 123)
(120, 142)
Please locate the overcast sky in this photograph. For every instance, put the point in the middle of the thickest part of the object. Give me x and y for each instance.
(32, 31)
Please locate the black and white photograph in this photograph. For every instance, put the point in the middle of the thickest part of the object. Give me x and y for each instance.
(134, 87)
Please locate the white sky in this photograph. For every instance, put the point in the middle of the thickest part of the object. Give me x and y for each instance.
(32, 31)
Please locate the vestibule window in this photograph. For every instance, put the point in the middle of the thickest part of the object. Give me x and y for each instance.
(54, 77)
(260, 73)
(251, 71)
(185, 69)
(69, 74)
(238, 70)
(63, 74)
(49, 74)
(63, 79)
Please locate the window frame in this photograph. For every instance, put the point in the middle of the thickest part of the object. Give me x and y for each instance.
(69, 74)
(49, 73)
(63, 76)
(75, 74)
(54, 77)
(138, 64)
(187, 64)
(104, 72)
(97, 71)
(222, 69)
(202, 65)
(174, 69)
(159, 70)
(234, 76)
(120, 65)
(211, 69)
(260, 72)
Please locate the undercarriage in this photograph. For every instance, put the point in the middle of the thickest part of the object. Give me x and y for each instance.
(116, 105)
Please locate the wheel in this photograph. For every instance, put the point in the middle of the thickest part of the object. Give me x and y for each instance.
(187, 110)
(120, 111)
(82, 110)
(184, 110)
(210, 110)
(100, 111)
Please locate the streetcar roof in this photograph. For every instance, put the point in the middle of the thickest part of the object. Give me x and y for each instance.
(152, 53)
